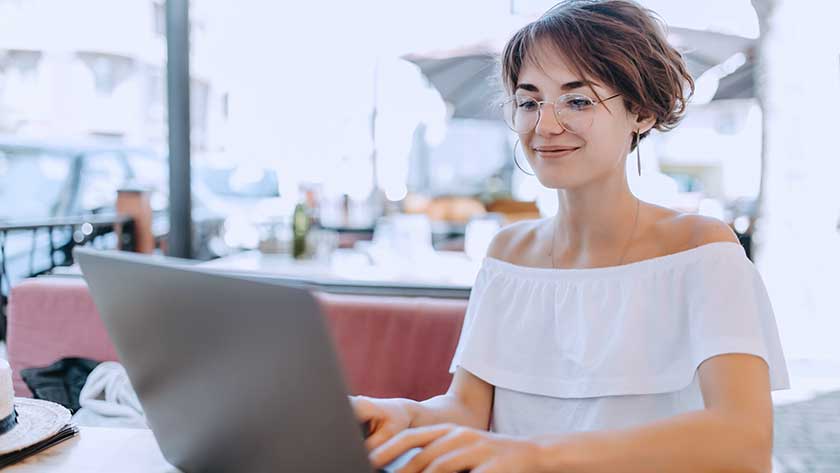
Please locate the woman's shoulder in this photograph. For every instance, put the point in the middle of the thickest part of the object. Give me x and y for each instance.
(681, 231)
(516, 238)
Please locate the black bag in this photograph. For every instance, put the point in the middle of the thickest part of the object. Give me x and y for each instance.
(61, 382)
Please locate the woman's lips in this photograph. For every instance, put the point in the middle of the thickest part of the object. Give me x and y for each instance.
(548, 153)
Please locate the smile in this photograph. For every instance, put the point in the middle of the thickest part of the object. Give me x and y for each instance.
(554, 153)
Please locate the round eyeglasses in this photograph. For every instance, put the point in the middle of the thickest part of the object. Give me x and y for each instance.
(574, 112)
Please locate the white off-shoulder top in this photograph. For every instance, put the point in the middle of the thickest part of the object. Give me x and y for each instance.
(571, 350)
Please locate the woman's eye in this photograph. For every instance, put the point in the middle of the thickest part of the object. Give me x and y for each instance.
(528, 105)
(579, 103)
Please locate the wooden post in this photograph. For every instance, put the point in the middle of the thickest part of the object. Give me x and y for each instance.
(135, 203)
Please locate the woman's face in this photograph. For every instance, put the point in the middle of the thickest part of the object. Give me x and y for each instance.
(565, 159)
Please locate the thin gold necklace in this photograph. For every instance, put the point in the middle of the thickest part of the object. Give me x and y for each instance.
(626, 246)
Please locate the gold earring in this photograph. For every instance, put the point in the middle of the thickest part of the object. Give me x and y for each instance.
(638, 155)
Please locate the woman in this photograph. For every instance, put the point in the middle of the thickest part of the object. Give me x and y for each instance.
(618, 335)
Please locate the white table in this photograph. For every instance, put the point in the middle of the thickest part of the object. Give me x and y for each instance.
(109, 450)
(100, 450)
(436, 268)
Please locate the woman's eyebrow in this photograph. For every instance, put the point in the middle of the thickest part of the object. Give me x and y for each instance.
(575, 84)
(528, 87)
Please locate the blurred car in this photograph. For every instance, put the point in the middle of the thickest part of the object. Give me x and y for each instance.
(41, 180)
(225, 199)
(247, 196)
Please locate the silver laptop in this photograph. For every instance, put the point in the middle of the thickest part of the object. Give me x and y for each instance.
(234, 374)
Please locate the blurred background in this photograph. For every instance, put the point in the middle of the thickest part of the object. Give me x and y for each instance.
(346, 138)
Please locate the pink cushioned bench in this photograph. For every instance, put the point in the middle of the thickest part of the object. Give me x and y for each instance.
(388, 346)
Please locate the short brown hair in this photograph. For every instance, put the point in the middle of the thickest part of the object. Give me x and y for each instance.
(618, 42)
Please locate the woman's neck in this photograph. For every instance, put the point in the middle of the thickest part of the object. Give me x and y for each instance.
(594, 218)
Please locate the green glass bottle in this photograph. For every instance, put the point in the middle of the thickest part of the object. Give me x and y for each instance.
(300, 228)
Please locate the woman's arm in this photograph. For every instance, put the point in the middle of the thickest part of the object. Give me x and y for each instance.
(467, 402)
(469, 399)
(733, 434)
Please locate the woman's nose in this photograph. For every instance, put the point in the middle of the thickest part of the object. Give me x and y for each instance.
(547, 123)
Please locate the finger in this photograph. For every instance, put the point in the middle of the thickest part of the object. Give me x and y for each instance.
(457, 438)
(406, 440)
(364, 409)
(380, 436)
(490, 467)
(464, 459)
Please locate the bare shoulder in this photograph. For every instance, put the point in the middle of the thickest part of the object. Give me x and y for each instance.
(510, 240)
(693, 230)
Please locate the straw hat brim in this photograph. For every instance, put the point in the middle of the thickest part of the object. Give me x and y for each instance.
(36, 420)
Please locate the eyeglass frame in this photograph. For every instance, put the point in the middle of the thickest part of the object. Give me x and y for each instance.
(554, 102)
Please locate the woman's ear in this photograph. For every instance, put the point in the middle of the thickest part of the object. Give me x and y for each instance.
(643, 124)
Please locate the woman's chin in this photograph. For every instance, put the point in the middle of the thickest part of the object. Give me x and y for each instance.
(553, 181)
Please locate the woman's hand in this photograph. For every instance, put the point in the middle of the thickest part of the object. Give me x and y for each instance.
(387, 417)
(449, 448)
